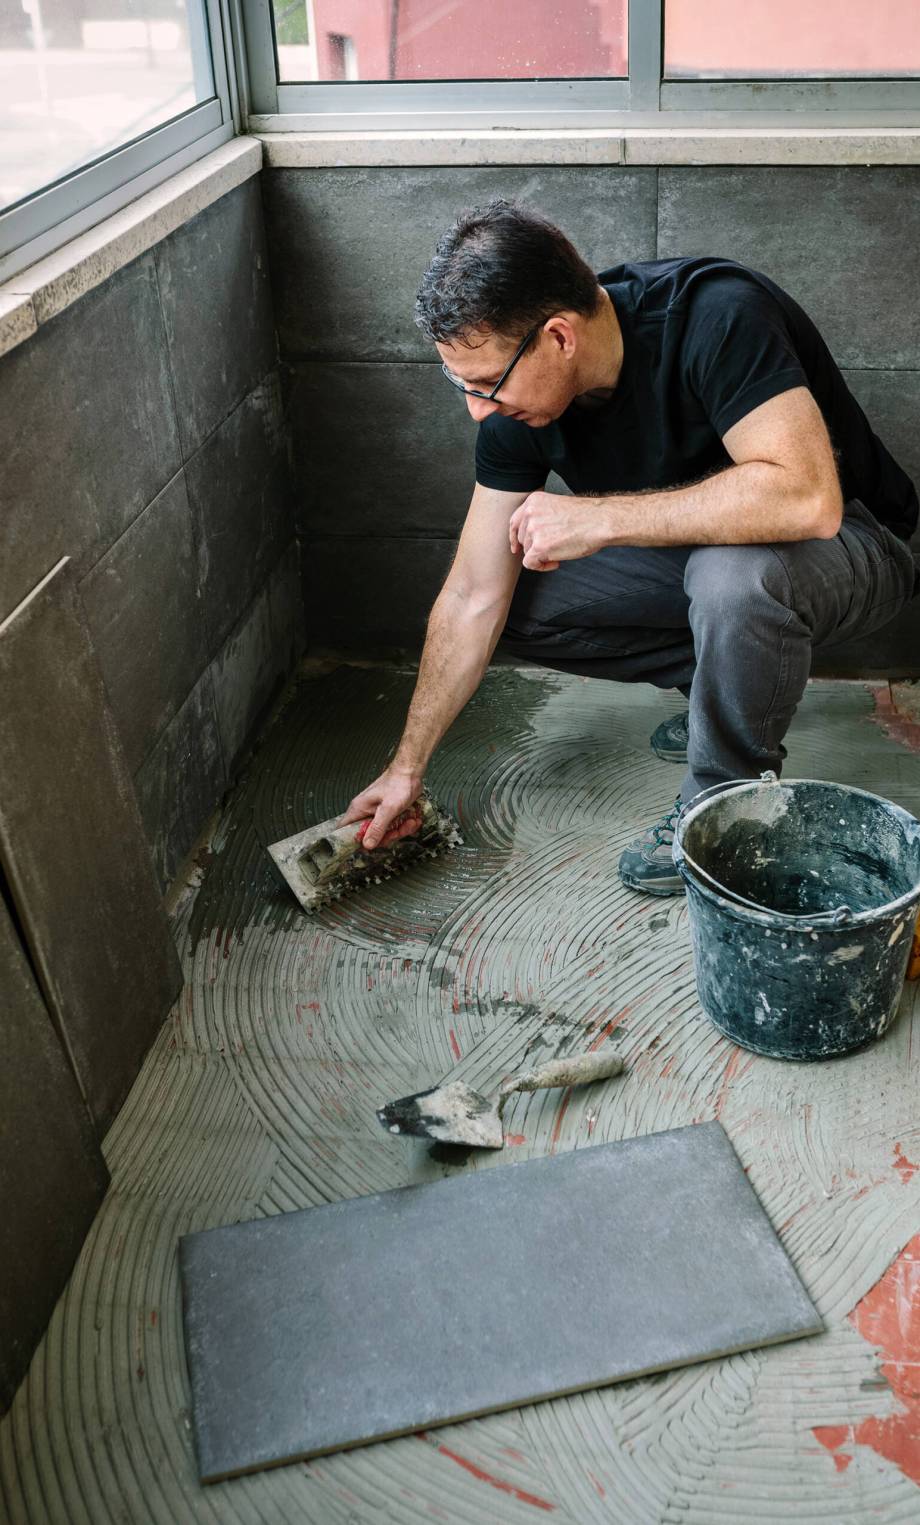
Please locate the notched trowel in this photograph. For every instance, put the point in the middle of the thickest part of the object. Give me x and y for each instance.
(328, 860)
(456, 1114)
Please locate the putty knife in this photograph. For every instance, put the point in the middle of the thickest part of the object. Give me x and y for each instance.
(456, 1114)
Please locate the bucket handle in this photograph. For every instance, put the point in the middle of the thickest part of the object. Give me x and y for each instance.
(836, 918)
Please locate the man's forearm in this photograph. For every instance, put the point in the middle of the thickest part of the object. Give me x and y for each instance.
(461, 638)
(753, 503)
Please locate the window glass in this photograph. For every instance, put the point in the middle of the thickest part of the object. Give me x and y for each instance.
(450, 39)
(769, 39)
(79, 78)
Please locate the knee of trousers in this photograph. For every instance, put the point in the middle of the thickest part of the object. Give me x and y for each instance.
(734, 580)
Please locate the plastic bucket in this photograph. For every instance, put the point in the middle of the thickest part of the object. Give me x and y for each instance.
(802, 899)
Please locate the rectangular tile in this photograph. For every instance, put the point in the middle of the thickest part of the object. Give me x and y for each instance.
(87, 430)
(181, 780)
(380, 450)
(73, 851)
(144, 613)
(388, 1314)
(288, 619)
(842, 241)
(52, 1174)
(247, 673)
(367, 594)
(241, 497)
(217, 307)
(342, 294)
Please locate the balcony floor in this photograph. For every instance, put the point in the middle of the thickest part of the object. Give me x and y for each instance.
(259, 1098)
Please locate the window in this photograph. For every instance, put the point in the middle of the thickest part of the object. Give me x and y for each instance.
(96, 93)
(579, 63)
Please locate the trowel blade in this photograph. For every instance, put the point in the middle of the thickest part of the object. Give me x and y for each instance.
(452, 1114)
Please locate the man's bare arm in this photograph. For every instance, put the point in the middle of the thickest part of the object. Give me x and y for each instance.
(783, 486)
(463, 629)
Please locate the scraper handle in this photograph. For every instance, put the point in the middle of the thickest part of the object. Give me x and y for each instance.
(577, 1070)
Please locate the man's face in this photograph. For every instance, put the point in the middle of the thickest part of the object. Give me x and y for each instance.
(539, 387)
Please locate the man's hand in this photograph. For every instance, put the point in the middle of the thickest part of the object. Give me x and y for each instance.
(550, 528)
(388, 798)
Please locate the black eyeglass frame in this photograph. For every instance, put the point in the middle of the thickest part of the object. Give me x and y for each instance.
(490, 396)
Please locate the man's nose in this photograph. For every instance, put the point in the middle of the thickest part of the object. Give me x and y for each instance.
(480, 407)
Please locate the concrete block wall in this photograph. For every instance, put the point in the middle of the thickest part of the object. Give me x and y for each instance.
(142, 433)
(383, 448)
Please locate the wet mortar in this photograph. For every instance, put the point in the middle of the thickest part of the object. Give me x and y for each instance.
(259, 1097)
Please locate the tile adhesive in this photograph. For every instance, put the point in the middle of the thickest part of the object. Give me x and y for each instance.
(259, 1097)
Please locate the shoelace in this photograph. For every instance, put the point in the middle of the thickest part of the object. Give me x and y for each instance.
(663, 830)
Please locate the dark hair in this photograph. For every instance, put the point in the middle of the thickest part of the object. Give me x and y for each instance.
(501, 268)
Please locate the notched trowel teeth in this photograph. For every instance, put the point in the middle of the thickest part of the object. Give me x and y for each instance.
(328, 861)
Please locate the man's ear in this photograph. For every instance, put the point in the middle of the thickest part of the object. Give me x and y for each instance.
(561, 331)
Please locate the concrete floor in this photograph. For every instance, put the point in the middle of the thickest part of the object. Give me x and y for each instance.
(259, 1098)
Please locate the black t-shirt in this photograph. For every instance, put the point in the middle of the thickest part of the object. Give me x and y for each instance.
(705, 342)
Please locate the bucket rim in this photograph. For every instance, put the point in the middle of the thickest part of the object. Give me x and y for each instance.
(782, 920)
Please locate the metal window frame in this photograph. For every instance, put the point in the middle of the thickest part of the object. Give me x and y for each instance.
(58, 212)
(645, 98)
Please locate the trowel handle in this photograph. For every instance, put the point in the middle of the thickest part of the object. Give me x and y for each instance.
(578, 1070)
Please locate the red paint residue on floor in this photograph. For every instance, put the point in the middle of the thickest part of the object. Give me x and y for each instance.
(899, 727)
(560, 1118)
(487, 1477)
(454, 1044)
(601, 1492)
(905, 1167)
(889, 1317)
(515, 1138)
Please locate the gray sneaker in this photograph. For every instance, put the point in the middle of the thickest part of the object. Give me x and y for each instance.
(647, 864)
(669, 739)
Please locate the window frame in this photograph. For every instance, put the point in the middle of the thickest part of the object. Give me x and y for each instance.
(645, 98)
(55, 213)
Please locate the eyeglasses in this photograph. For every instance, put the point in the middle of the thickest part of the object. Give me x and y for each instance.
(490, 396)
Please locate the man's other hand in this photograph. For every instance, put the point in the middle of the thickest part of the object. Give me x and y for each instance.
(549, 528)
(385, 805)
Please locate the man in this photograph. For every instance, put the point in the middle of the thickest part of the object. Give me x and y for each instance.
(731, 507)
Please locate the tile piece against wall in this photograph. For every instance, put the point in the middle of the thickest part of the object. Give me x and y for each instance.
(87, 430)
(842, 241)
(144, 613)
(380, 449)
(181, 780)
(366, 594)
(72, 848)
(217, 306)
(52, 1174)
(242, 507)
(348, 247)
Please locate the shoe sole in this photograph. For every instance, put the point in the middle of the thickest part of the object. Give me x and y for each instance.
(669, 756)
(646, 887)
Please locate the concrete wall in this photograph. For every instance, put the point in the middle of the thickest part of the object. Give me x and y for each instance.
(384, 450)
(142, 434)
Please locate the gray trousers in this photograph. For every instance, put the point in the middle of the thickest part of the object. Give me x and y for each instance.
(732, 626)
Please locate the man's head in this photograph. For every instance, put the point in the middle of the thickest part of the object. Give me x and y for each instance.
(507, 298)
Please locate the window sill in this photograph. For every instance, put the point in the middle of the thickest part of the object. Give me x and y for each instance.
(288, 146)
(48, 287)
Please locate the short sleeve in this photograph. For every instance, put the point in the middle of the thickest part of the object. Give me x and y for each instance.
(741, 352)
(506, 457)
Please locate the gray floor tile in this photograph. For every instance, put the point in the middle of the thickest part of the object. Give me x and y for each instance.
(313, 1331)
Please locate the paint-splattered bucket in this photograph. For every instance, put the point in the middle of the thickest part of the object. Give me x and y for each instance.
(802, 899)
